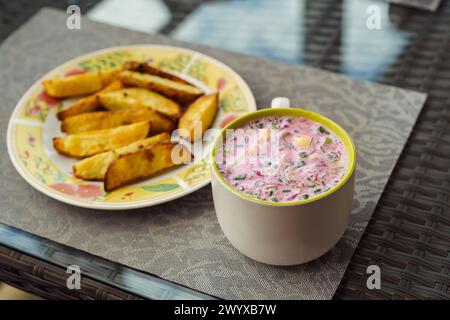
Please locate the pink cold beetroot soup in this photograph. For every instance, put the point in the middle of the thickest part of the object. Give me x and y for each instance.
(282, 159)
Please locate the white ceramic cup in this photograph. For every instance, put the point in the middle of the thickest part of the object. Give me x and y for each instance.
(284, 233)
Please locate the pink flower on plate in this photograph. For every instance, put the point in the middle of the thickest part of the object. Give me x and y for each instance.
(89, 191)
(49, 101)
(65, 188)
(75, 71)
(31, 139)
(227, 120)
(221, 83)
(35, 110)
(82, 191)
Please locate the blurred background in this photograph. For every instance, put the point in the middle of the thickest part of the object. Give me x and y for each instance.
(281, 30)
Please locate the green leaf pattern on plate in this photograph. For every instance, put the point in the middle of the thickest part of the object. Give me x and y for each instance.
(233, 101)
(164, 187)
(198, 71)
(177, 64)
(105, 62)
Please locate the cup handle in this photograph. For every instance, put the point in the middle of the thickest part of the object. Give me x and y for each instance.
(280, 102)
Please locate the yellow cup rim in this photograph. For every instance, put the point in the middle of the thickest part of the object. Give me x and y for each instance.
(330, 124)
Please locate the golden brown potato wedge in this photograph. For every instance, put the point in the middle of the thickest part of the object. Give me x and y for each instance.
(79, 84)
(111, 119)
(139, 165)
(127, 98)
(180, 92)
(94, 168)
(89, 103)
(86, 144)
(144, 143)
(202, 110)
(146, 67)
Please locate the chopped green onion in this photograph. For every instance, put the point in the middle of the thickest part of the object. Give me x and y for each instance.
(303, 154)
(332, 155)
(328, 140)
(241, 177)
(317, 190)
(322, 130)
(304, 197)
(300, 164)
(274, 199)
(259, 125)
(286, 190)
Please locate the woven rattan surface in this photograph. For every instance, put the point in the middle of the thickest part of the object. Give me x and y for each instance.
(48, 281)
(409, 234)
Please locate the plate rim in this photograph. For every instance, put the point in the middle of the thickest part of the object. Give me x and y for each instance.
(104, 205)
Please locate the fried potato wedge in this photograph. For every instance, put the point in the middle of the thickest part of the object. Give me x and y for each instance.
(139, 165)
(146, 67)
(111, 119)
(94, 168)
(202, 111)
(79, 84)
(87, 104)
(180, 92)
(142, 144)
(86, 144)
(127, 98)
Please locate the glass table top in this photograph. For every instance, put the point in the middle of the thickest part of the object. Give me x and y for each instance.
(402, 49)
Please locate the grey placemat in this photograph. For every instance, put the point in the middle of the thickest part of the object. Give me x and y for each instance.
(182, 241)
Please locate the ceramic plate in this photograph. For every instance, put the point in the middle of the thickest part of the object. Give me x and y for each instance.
(33, 125)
